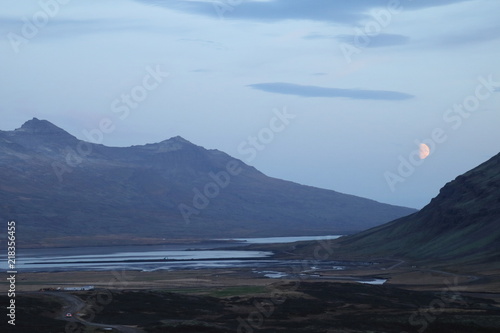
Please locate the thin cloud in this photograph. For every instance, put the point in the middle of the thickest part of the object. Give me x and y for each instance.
(200, 70)
(342, 11)
(66, 28)
(203, 42)
(315, 91)
(380, 40)
(471, 37)
(315, 35)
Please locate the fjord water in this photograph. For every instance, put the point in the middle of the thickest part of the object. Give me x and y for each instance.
(155, 257)
(274, 240)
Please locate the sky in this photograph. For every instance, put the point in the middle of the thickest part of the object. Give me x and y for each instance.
(332, 94)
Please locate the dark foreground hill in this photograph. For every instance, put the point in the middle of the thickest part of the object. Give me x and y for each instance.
(63, 191)
(460, 226)
(282, 307)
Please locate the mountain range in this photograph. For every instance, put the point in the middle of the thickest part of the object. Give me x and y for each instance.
(62, 191)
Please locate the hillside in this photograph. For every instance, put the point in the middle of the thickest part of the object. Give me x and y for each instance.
(63, 191)
(461, 225)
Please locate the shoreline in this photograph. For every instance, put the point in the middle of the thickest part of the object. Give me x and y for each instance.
(404, 278)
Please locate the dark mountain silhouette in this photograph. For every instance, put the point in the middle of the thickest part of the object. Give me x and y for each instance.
(63, 191)
(459, 226)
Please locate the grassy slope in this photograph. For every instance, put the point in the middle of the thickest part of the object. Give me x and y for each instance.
(461, 225)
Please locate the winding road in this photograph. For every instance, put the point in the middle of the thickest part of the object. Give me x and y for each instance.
(74, 304)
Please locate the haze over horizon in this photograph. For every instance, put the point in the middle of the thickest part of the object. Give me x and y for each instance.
(333, 95)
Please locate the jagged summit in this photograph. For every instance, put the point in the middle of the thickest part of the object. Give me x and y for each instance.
(173, 144)
(177, 140)
(42, 127)
(41, 134)
(37, 126)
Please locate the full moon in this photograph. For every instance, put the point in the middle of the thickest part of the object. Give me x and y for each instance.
(423, 151)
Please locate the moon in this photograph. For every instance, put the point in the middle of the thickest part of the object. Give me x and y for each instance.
(423, 151)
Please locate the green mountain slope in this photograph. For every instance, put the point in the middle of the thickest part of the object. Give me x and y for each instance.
(460, 225)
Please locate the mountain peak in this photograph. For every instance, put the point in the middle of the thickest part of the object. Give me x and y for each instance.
(36, 133)
(37, 126)
(179, 139)
(173, 144)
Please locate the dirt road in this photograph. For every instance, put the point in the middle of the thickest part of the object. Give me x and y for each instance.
(74, 304)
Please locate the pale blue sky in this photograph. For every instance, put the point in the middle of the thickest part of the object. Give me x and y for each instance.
(365, 82)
